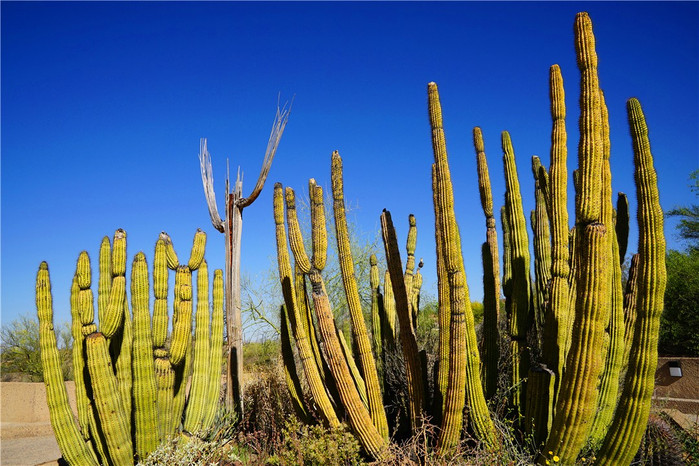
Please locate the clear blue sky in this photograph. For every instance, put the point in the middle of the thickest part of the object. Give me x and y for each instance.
(103, 105)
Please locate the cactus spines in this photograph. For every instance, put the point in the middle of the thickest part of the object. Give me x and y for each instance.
(310, 364)
(165, 382)
(558, 317)
(357, 413)
(520, 281)
(631, 416)
(202, 356)
(366, 358)
(319, 235)
(182, 322)
(464, 384)
(490, 352)
(216, 363)
(590, 146)
(145, 413)
(407, 335)
(105, 277)
(196, 256)
(577, 398)
(114, 423)
(70, 441)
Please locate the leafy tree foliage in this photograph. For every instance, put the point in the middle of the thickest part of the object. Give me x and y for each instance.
(20, 353)
(679, 327)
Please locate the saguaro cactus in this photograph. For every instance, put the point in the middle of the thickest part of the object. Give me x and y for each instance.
(232, 229)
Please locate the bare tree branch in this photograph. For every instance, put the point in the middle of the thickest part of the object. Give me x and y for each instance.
(280, 121)
(207, 179)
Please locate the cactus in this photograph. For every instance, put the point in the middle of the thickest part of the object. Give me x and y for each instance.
(71, 443)
(366, 358)
(464, 383)
(357, 413)
(542, 247)
(293, 382)
(490, 348)
(630, 418)
(519, 260)
(113, 418)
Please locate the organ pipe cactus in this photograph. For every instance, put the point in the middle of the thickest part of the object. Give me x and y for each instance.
(130, 394)
(490, 352)
(464, 362)
(357, 413)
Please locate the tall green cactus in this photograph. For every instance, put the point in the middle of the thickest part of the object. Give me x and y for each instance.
(71, 443)
(631, 416)
(490, 352)
(464, 362)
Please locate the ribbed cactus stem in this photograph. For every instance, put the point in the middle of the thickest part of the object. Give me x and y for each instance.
(359, 331)
(410, 244)
(160, 288)
(79, 367)
(374, 282)
(105, 278)
(172, 260)
(319, 235)
(145, 414)
(182, 375)
(542, 246)
(407, 335)
(182, 324)
(293, 382)
(577, 400)
(630, 295)
(114, 422)
(358, 415)
(196, 256)
(519, 314)
(202, 356)
(71, 443)
(311, 366)
(558, 317)
(631, 416)
(165, 381)
(216, 350)
(490, 353)
(464, 383)
(389, 306)
(590, 145)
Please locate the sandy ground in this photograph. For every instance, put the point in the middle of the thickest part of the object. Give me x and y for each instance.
(26, 436)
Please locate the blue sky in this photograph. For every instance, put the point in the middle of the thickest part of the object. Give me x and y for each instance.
(103, 105)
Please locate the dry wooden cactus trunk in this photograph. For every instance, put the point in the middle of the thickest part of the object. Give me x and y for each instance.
(130, 383)
(564, 390)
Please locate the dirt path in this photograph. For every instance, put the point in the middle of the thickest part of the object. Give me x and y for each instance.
(26, 436)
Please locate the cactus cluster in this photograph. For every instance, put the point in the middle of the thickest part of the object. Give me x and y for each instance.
(564, 391)
(130, 377)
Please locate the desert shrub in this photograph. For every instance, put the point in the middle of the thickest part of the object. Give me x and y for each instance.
(191, 450)
(315, 445)
(20, 354)
(260, 354)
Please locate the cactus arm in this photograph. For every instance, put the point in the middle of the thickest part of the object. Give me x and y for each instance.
(202, 356)
(464, 360)
(293, 382)
(631, 416)
(490, 352)
(309, 362)
(165, 382)
(630, 295)
(145, 414)
(558, 319)
(105, 278)
(542, 247)
(196, 256)
(357, 413)
(408, 276)
(182, 323)
(319, 235)
(182, 376)
(79, 368)
(160, 289)
(113, 420)
(407, 335)
(366, 358)
(215, 367)
(520, 281)
(71, 443)
(375, 313)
